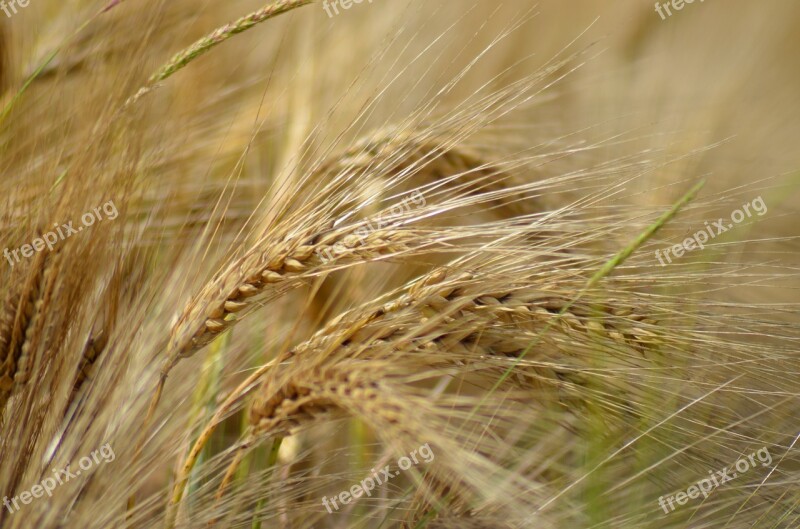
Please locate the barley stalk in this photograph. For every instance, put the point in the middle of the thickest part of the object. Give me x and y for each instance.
(471, 315)
(288, 401)
(213, 39)
(285, 265)
(443, 319)
(319, 401)
(541, 363)
(191, 458)
(375, 391)
(319, 392)
(94, 347)
(20, 310)
(288, 262)
(610, 265)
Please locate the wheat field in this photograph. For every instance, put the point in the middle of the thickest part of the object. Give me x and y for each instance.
(441, 264)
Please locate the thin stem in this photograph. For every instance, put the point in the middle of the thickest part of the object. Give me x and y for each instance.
(213, 39)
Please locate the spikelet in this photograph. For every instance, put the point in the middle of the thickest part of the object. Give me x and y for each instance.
(21, 322)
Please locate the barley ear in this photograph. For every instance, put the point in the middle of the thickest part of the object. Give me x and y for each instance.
(213, 39)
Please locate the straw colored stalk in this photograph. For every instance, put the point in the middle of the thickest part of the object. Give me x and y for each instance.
(356, 387)
(213, 39)
(379, 393)
(453, 316)
(20, 323)
(290, 254)
(428, 162)
(287, 263)
(457, 316)
(287, 266)
(324, 381)
(447, 321)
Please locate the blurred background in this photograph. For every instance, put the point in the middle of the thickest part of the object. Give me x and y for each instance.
(710, 91)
